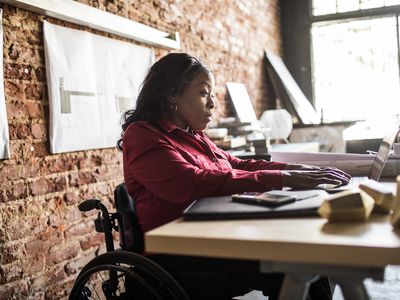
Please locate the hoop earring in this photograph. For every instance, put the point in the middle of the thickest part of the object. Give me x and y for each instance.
(174, 107)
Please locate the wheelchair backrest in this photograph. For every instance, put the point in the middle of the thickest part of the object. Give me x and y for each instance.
(130, 233)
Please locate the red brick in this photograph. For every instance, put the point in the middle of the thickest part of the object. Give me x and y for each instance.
(38, 131)
(10, 272)
(34, 266)
(71, 198)
(57, 184)
(113, 157)
(82, 178)
(35, 110)
(17, 191)
(16, 110)
(23, 54)
(18, 71)
(9, 172)
(40, 246)
(37, 295)
(62, 254)
(73, 215)
(80, 230)
(59, 163)
(14, 290)
(9, 254)
(34, 150)
(34, 92)
(76, 265)
(14, 91)
(54, 275)
(19, 131)
(25, 36)
(92, 241)
(39, 187)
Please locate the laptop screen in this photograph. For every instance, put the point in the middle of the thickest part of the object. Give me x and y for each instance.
(381, 157)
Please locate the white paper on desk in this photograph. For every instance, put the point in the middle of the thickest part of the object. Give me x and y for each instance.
(4, 137)
(91, 81)
(354, 164)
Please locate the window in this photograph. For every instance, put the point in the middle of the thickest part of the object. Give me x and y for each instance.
(355, 59)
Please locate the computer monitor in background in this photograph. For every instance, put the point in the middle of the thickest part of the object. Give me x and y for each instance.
(241, 102)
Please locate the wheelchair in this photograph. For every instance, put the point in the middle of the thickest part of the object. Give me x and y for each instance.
(123, 273)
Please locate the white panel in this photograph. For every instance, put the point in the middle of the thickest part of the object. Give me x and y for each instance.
(4, 138)
(91, 81)
(92, 17)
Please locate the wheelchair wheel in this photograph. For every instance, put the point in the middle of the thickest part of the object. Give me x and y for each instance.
(125, 275)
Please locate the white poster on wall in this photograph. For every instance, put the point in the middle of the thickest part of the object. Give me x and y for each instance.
(91, 80)
(4, 137)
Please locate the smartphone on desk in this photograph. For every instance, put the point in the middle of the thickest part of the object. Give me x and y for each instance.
(263, 199)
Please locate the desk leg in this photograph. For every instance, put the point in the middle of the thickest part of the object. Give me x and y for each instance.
(295, 285)
(299, 276)
(352, 288)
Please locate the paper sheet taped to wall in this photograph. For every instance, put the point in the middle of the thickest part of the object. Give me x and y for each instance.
(4, 137)
(91, 80)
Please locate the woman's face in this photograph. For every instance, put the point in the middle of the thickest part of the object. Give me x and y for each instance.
(195, 103)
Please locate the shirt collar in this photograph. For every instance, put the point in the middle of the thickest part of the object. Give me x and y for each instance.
(167, 125)
(170, 126)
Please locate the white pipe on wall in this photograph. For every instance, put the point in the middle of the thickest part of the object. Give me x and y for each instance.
(82, 14)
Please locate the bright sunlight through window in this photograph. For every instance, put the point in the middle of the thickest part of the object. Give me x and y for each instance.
(355, 69)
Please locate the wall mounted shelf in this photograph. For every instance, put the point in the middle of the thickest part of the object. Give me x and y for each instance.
(82, 14)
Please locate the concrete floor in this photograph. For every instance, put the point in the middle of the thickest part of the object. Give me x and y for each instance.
(387, 290)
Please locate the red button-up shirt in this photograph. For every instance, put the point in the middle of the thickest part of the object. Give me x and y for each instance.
(167, 168)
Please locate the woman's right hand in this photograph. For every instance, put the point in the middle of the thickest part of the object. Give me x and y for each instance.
(312, 178)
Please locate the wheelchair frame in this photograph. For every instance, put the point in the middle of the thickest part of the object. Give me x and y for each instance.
(126, 270)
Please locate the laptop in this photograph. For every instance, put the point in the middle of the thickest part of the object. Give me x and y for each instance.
(376, 169)
(223, 208)
(220, 208)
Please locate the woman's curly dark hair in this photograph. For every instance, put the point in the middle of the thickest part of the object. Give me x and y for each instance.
(167, 77)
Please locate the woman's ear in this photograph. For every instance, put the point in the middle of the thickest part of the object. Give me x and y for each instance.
(172, 102)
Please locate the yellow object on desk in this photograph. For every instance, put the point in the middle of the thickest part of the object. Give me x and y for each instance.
(347, 206)
(395, 220)
(382, 195)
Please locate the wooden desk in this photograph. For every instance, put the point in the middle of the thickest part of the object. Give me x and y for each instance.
(302, 248)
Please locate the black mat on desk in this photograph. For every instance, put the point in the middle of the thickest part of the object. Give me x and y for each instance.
(222, 208)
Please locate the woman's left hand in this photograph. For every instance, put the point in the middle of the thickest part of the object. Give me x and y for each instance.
(300, 167)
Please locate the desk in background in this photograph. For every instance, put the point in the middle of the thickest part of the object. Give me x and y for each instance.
(311, 147)
(292, 147)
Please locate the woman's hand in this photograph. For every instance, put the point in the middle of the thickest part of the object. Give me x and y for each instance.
(305, 176)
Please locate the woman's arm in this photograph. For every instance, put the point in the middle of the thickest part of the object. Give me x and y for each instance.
(163, 171)
(252, 164)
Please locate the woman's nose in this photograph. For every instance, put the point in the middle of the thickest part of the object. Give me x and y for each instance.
(210, 102)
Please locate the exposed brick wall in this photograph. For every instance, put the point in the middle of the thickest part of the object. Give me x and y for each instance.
(44, 239)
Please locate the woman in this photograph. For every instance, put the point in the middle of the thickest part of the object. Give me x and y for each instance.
(169, 162)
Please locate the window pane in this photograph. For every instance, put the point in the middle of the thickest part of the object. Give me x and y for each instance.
(323, 7)
(348, 5)
(392, 2)
(371, 3)
(355, 69)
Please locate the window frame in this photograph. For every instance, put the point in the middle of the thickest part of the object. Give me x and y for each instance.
(296, 22)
